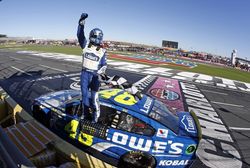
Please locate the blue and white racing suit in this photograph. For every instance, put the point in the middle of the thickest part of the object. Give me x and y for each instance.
(93, 64)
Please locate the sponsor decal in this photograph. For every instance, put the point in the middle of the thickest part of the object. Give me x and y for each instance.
(91, 56)
(147, 105)
(164, 94)
(190, 149)
(189, 127)
(168, 91)
(162, 133)
(216, 144)
(173, 162)
(146, 145)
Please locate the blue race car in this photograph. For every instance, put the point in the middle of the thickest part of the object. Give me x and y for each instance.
(133, 132)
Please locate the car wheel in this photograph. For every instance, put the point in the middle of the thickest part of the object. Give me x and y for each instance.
(136, 159)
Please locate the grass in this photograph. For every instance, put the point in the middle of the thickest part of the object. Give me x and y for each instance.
(219, 71)
(47, 48)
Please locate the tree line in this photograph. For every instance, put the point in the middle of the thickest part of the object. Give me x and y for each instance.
(2, 35)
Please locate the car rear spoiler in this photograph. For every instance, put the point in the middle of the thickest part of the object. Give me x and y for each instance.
(199, 133)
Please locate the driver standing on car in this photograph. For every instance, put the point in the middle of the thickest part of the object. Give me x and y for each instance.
(93, 64)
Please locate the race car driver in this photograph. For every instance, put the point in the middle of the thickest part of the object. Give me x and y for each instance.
(93, 64)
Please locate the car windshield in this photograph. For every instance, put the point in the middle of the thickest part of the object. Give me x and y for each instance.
(161, 113)
(58, 99)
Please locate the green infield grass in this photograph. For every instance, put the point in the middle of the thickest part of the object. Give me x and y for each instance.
(213, 70)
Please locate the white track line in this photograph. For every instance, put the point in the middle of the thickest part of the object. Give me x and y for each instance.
(53, 68)
(227, 104)
(34, 58)
(72, 66)
(213, 92)
(20, 70)
(239, 128)
(15, 58)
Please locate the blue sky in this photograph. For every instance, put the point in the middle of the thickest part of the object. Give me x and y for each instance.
(215, 26)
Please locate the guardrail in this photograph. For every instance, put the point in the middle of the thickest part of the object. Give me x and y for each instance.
(12, 113)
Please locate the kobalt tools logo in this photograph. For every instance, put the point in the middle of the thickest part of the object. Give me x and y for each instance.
(173, 162)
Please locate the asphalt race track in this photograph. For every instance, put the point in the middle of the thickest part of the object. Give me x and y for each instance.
(224, 114)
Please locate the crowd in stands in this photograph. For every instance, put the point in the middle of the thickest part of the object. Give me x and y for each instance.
(242, 64)
(203, 57)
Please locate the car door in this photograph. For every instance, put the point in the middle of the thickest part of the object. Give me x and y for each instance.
(66, 123)
(129, 133)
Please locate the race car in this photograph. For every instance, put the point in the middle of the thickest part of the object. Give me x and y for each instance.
(133, 132)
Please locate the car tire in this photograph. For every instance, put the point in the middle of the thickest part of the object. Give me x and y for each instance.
(136, 159)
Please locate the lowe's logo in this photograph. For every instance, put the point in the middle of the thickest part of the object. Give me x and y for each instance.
(147, 105)
(91, 57)
(147, 145)
(189, 124)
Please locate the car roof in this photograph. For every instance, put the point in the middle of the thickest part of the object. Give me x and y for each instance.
(59, 98)
(117, 97)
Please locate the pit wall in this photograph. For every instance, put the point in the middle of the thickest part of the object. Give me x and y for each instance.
(12, 113)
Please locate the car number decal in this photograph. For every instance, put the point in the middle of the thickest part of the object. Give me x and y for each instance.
(71, 128)
(124, 98)
(107, 94)
(83, 138)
